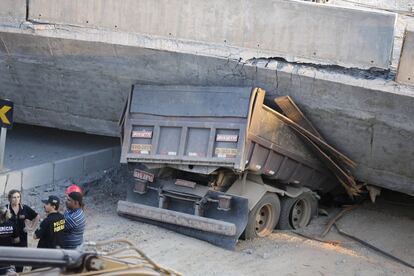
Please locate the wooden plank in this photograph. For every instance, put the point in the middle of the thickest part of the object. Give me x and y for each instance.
(292, 111)
(339, 157)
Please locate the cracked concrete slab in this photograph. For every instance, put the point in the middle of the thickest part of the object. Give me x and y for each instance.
(81, 85)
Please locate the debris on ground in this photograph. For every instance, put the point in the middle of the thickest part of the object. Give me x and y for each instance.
(282, 251)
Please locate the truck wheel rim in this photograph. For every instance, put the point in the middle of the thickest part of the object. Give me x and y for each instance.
(300, 214)
(264, 220)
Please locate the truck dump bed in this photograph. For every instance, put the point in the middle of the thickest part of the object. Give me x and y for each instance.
(201, 129)
(202, 126)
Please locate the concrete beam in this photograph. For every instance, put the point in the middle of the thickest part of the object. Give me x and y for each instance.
(295, 30)
(12, 12)
(82, 85)
(405, 72)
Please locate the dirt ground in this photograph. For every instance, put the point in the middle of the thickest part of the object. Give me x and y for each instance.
(389, 225)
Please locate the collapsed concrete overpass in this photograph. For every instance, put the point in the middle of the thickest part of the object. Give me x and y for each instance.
(70, 65)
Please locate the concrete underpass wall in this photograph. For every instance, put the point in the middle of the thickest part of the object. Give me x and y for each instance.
(295, 30)
(82, 85)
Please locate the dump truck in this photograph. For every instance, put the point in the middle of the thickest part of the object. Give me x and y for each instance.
(216, 163)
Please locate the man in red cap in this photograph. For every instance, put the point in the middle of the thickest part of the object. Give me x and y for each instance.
(75, 221)
(74, 188)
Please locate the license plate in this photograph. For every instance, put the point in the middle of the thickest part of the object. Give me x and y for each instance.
(227, 138)
(199, 154)
(143, 175)
(141, 148)
(225, 152)
(142, 134)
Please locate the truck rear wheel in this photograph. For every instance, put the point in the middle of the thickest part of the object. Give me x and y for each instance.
(296, 212)
(263, 217)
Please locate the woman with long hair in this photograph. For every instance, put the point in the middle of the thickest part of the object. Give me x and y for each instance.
(24, 217)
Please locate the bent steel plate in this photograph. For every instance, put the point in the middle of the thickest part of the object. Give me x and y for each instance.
(177, 218)
(219, 227)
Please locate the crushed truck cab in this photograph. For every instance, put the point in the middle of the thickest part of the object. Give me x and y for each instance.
(215, 162)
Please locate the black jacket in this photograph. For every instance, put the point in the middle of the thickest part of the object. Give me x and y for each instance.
(25, 212)
(50, 231)
(8, 232)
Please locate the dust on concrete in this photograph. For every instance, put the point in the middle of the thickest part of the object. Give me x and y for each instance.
(283, 252)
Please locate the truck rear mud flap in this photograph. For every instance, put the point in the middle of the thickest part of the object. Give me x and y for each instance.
(210, 222)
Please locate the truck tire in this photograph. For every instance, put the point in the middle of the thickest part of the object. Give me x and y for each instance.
(264, 217)
(297, 212)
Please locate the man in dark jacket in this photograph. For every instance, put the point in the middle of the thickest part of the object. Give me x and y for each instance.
(50, 231)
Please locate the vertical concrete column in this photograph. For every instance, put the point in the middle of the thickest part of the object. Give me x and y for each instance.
(405, 72)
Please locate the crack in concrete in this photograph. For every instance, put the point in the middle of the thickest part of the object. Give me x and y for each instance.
(68, 113)
(372, 73)
(371, 143)
(49, 47)
(277, 79)
(5, 46)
